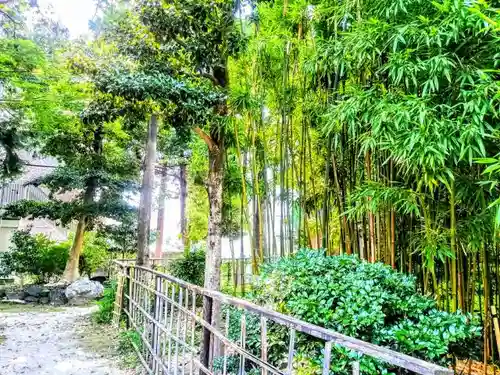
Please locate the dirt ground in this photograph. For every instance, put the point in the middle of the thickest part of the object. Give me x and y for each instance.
(56, 341)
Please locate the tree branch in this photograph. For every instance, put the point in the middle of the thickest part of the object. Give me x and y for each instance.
(209, 141)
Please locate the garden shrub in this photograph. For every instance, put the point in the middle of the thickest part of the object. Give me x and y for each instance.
(33, 255)
(45, 260)
(106, 304)
(367, 301)
(190, 268)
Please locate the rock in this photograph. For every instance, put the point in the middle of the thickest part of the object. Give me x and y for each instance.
(83, 291)
(15, 295)
(34, 291)
(31, 299)
(57, 296)
(44, 300)
(45, 293)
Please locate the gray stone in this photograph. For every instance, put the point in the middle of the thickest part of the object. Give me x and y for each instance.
(34, 291)
(31, 299)
(83, 291)
(15, 295)
(45, 293)
(44, 300)
(58, 297)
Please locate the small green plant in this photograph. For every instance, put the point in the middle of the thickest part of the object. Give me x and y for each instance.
(190, 268)
(128, 343)
(106, 304)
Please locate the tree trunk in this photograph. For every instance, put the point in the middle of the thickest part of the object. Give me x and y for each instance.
(147, 195)
(160, 223)
(214, 240)
(183, 197)
(71, 272)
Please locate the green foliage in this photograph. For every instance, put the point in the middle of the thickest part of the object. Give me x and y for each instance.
(106, 304)
(36, 255)
(128, 343)
(33, 255)
(190, 268)
(363, 300)
(95, 254)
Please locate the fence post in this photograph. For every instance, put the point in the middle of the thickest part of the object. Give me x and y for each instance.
(207, 317)
(119, 297)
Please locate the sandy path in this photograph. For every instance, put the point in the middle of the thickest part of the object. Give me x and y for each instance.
(47, 343)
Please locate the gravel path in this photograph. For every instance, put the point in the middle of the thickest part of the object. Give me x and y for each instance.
(47, 343)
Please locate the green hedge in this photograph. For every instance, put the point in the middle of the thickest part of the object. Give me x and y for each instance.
(368, 301)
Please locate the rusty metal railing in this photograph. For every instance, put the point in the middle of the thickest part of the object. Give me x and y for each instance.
(178, 337)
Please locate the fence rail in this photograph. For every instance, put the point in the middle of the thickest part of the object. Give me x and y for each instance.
(186, 329)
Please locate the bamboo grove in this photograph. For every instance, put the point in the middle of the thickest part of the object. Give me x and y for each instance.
(370, 128)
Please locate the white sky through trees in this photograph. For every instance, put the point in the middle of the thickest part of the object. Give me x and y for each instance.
(74, 14)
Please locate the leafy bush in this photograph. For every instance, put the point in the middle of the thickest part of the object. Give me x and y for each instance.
(106, 304)
(94, 255)
(33, 255)
(37, 256)
(190, 268)
(368, 301)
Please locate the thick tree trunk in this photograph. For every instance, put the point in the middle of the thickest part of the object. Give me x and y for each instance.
(183, 197)
(71, 272)
(147, 195)
(214, 240)
(211, 309)
(160, 223)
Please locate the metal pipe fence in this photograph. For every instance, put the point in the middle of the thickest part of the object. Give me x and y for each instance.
(185, 329)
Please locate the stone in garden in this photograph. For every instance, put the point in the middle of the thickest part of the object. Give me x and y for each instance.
(45, 293)
(44, 300)
(34, 290)
(31, 299)
(83, 291)
(15, 295)
(57, 296)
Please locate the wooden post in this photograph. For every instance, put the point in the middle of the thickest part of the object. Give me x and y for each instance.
(119, 298)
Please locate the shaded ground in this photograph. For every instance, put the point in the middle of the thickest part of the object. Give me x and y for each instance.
(47, 341)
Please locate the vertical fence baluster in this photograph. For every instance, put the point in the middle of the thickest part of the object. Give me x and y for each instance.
(170, 325)
(165, 319)
(263, 342)
(291, 348)
(243, 339)
(156, 329)
(224, 348)
(327, 358)
(193, 328)
(355, 368)
(178, 330)
(184, 331)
